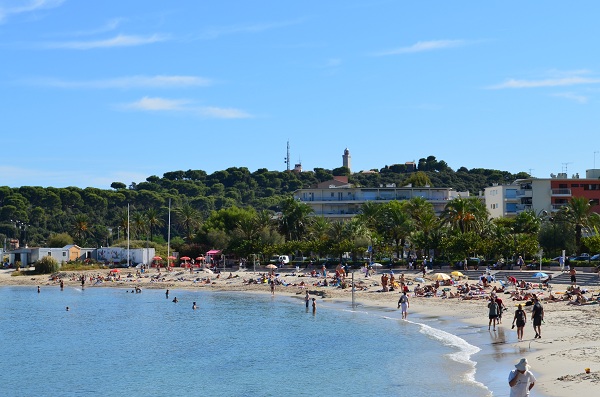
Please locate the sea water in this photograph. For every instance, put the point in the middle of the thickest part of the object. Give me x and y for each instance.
(113, 342)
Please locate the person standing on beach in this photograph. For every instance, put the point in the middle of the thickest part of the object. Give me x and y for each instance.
(307, 298)
(167, 293)
(521, 318)
(520, 262)
(493, 312)
(521, 380)
(573, 273)
(501, 308)
(314, 305)
(404, 303)
(538, 316)
(272, 281)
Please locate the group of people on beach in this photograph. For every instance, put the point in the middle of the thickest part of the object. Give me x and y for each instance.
(496, 307)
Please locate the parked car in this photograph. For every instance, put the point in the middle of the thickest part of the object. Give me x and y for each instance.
(595, 257)
(582, 257)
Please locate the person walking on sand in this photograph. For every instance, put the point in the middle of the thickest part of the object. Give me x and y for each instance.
(520, 318)
(307, 298)
(537, 314)
(493, 312)
(501, 308)
(404, 303)
(521, 380)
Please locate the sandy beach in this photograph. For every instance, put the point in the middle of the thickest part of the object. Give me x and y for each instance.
(569, 345)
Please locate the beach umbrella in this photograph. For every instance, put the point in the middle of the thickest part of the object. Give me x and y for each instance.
(271, 266)
(157, 258)
(376, 265)
(172, 257)
(185, 258)
(200, 258)
(456, 273)
(440, 277)
(115, 270)
(540, 275)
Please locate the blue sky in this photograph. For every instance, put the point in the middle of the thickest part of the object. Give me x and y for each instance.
(99, 91)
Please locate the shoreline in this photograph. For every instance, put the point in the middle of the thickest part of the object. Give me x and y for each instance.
(569, 343)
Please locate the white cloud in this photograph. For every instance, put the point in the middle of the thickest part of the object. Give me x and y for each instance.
(31, 6)
(109, 26)
(555, 82)
(572, 97)
(158, 104)
(117, 41)
(215, 32)
(223, 113)
(159, 81)
(181, 105)
(422, 46)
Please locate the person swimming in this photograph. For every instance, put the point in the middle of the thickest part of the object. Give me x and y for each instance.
(194, 306)
(175, 300)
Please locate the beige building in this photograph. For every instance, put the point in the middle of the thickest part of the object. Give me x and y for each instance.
(338, 200)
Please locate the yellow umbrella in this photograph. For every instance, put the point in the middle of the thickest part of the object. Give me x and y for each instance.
(456, 273)
(441, 277)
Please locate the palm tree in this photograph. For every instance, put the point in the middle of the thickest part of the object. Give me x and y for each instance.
(395, 224)
(139, 224)
(578, 212)
(465, 214)
(294, 218)
(81, 228)
(154, 221)
(189, 219)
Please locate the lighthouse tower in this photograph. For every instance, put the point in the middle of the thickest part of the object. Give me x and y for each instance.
(346, 159)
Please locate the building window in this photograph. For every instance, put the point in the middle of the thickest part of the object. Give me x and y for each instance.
(49, 253)
(575, 185)
(64, 253)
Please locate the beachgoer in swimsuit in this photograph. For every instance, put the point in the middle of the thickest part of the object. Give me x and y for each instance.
(538, 316)
(307, 298)
(520, 318)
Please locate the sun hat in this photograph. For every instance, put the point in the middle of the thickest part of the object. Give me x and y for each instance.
(522, 365)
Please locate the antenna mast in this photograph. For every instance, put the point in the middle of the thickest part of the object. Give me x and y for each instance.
(287, 158)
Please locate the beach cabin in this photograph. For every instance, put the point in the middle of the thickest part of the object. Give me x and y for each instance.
(212, 257)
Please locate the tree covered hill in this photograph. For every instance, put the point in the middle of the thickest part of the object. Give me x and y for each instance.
(95, 217)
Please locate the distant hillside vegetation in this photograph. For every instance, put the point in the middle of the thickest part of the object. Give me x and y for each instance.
(95, 217)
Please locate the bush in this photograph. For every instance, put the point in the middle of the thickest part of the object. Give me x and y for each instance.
(46, 265)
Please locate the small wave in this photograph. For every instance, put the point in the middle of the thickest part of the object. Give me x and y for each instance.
(463, 355)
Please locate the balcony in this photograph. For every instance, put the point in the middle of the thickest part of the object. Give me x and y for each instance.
(561, 192)
(557, 207)
(524, 193)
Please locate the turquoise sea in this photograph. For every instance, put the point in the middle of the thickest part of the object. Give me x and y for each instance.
(117, 343)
